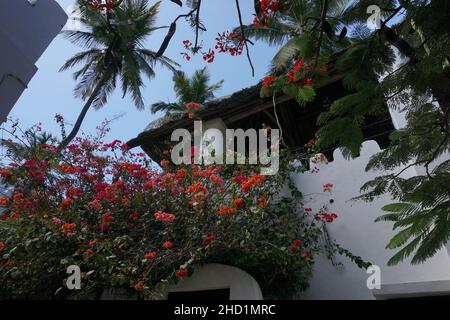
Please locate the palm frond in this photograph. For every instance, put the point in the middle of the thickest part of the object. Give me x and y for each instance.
(79, 58)
(165, 107)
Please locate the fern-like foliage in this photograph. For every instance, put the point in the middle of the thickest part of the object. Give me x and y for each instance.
(417, 32)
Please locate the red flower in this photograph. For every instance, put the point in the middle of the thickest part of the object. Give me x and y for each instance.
(267, 81)
(238, 203)
(209, 239)
(74, 192)
(327, 187)
(133, 215)
(181, 174)
(257, 24)
(168, 244)
(165, 163)
(94, 205)
(66, 203)
(150, 255)
(230, 42)
(328, 217)
(298, 241)
(164, 216)
(308, 82)
(275, 6)
(107, 217)
(2, 246)
(104, 227)
(240, 178)
(181, 273)
(187, 44)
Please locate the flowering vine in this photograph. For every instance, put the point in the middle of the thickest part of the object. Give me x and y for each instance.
(106, 209)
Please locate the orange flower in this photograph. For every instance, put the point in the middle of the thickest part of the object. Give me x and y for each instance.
(68, 227)
(138, 286)
(196, 188)
(226, 211)
(252, 181)
(262, 202)
(168, 244)
(4, 201)
(181, 174)
(5, 173)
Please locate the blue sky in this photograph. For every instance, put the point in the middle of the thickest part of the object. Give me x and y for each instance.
(50, 91)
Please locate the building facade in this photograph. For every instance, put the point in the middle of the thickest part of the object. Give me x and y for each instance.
(355, 228)
(27, 27)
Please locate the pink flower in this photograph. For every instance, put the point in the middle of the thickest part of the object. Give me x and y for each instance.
(164, 216)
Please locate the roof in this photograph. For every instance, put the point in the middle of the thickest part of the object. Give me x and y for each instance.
(225, 107)
(230, 109)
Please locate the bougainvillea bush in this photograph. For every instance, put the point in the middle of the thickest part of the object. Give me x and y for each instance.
(132, 227)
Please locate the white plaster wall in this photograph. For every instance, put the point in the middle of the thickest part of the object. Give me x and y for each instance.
(219, 276)
(356, 230)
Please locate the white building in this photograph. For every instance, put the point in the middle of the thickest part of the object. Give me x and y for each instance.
(355, 228)
(27, 27)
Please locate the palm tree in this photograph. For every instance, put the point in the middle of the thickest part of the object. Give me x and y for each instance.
(195, 89)
(291, 29)
(115, 51)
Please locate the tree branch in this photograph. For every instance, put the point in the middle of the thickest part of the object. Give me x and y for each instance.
(244, 37)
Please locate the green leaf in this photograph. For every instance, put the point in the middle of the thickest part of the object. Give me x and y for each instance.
(305, 94)
(395, 207)
(290, 90)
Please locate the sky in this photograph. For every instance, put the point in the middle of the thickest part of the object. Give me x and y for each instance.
(51, 92)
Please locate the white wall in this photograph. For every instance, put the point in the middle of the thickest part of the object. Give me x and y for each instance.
(219, 276)
(356, 230)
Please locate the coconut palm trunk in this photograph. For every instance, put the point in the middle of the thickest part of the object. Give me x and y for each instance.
(82, 115)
